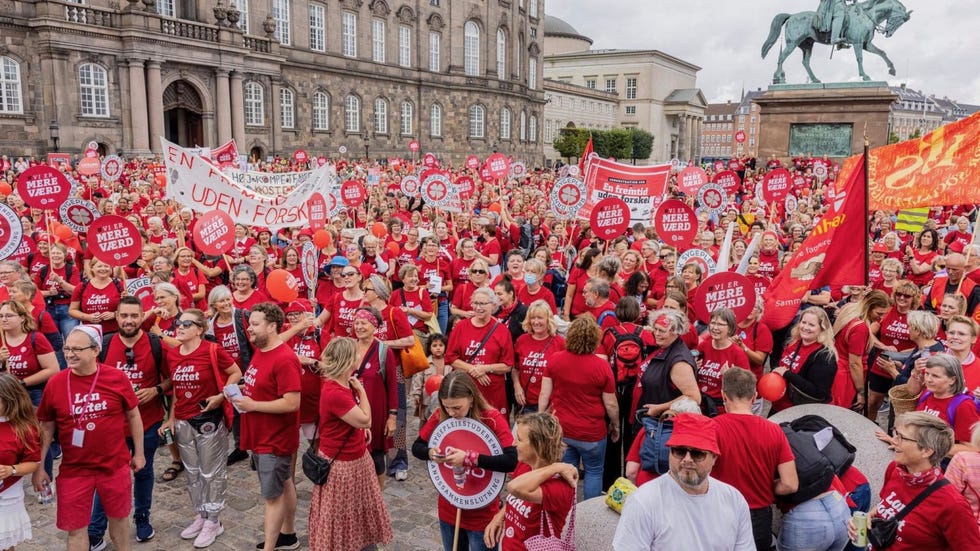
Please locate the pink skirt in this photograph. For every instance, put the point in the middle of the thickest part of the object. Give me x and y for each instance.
(348, 513)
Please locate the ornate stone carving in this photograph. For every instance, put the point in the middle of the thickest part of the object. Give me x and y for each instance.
(150, 6)
(405, 14)
(353, 5)
(234, 15)
(380, 8)
(435, 22)
(220, 13)
(269, 26)
(533, 49)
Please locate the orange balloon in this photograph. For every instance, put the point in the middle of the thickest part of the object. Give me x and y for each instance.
(494, 207)
(62, 231)
(282, 285)
(772, 386)
(161, 180)
(393, 248)
(322, 239)
(5, 188)
(379, 230)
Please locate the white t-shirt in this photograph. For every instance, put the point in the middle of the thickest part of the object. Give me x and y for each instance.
(661, 515)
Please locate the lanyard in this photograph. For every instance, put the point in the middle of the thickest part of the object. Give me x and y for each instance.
(71, 404)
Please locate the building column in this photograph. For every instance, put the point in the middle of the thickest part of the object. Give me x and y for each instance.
(238, 111)
(154, 93)
(222, 109)
(700, 147)
(682, 138)
(691, 138)
(137, 107)
(276, 117)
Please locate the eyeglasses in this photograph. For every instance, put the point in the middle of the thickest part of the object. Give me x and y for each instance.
(348, 274)
(8, 316)
(76, 350)
(902, 295)
(681, 452)
(480, 304)
(899, 438)
(186, 323)
(478, 272)
(7, 273)
(366, 289)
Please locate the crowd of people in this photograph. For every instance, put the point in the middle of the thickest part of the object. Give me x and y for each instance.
(563, 345)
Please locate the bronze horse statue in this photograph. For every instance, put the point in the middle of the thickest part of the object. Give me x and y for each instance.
(860, 23)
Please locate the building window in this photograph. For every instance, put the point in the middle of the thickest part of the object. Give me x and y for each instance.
(349, 34)
(590, 83)
(532, 129)
(380, 116)
(10, 86)
(435, 121)
(434, 39)
(321, 111)
(523, 126)
(280, 14)
(471, 49)
(243, 8)
(631, 88)
(547, 130)
(287, 111)
(501, 54)
(167, 7)
(505, 124)
(610, 85)
(404, 46)
(408, 113)
(434, 3)
(630, 109)
(477, 121)
(254, 104)
(94, 85)
(532, 73)
(352, 114)
(519, 53)
(378, 40)
(317, 27)
(532, 8)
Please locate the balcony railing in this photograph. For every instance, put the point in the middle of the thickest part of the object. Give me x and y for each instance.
(91, 15)
(188, 29)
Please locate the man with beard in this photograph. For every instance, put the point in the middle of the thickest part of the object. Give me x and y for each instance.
(687, 509)
(270, 422)
(139, 355)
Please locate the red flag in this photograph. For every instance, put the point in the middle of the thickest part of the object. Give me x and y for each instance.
(585, 155)
(833, 254)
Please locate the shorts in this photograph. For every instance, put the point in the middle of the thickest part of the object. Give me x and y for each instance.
(75, 495)
(273, 471)
(380, 458)
(879, 383)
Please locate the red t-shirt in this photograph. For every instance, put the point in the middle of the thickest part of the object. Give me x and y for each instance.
(191, 281)
(45, 323)
(141, 372)
(389, 331)
(713, 364)
(460, 270)
(49, 283)
(769, 263)
(335, 402)
(258, 296)
(852, 339)
(97, 300)
(308, 346)
(270, 376)
(342, 315)
(578, 277)
(532, 358)
(522, 519)
(893, 331)
(971, 372)
(415, 300)
(964, 417)
(751, 450)
(543, 293)
(757, 337)
(96, 405)
(428, 270)
(22, 362)
(794, 356)
(471, 519)
(227, 337)
(578, 383)
(382, 392)
(193, 377)
(464, 340)
(13, 451)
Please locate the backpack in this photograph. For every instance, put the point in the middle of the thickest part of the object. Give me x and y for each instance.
(654, 454)
(526, 241)
(816, 467)
(953, 404)
(156, 348)
(559, 286)
(604, 315)
(627, 354)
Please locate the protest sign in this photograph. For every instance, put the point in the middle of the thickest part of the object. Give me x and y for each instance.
(43, 187)
(641, 187)
(114, 240)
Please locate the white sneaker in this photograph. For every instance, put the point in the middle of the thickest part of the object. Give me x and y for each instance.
(194, 529)
(401, 474)
(212, 529)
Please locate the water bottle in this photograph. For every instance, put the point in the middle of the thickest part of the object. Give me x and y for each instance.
(46, 495)
(459, 476)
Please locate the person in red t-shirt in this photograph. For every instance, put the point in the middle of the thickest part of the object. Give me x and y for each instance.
(718, 353)
(269, 406)
(56, 285)
(187, 276)
(95, 301)
(539, 342)
(533, 288)
(809, 361)
(20, 455)
(853, 343)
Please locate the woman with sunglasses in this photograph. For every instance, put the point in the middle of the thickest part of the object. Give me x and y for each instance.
(338, 315)
(478, 275)
(892, 335)
(197, 421)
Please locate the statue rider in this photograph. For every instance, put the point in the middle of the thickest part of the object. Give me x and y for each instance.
(830, 18)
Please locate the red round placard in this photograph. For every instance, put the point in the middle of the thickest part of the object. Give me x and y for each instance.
(430, 160)
(497, 165)
(465, 187)
(724, 290)
(676, 223)
(89, 166)
(352, 193)
(300, 156)
(691, 179)
(115, 240)
(473, 162)
(775, 185)
(214, 233)
(413, 145)
(43, 187)
(316, 209)
(609, 218)
(728, 180)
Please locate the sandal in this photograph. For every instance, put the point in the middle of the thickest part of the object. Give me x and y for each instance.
(173, 471)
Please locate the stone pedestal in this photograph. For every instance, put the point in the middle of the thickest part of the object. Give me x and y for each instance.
(815, 118)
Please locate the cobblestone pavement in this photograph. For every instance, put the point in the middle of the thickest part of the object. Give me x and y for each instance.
(411, 504)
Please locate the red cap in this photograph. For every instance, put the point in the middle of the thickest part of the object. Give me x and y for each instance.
(305, 231)
(260, 230)
(299, 305)
(694, 431)
(879, 248)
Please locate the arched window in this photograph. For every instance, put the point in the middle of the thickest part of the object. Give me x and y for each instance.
(407, 114)
(435, 121)
(287, 108)
(523, 128)
(380, 116)
(10, 99)
(254, 104)
(477, 121)
(505, 124)
(94, 85)
(501, 54)
(321, 111)
(352, 114)
(471, 48)
(533, 129)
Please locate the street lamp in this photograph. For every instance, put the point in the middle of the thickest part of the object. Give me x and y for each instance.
(55, 134)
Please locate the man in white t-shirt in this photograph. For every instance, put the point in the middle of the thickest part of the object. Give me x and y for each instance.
(687, 509)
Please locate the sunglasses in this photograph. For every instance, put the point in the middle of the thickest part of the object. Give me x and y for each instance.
(186, 323)
(903, 295)
(348, 274)
(478, 271)
(680, 452)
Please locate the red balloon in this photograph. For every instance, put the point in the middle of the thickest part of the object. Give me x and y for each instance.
(322, 239)
(772, 386)
(393, 248)
(379, 230)
(5, 188)
(161, 180)
(282, 285)
(62, 231)
(494, 207)
(432, 384)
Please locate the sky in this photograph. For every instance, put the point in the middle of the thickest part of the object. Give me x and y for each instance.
(937, 51)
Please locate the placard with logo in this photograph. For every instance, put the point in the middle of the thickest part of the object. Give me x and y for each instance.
(479, 487)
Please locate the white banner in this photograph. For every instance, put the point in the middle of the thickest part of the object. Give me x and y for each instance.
(270, 183)
(195, 182)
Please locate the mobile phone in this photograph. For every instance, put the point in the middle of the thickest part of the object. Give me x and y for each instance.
(438, 456)
(203, 404)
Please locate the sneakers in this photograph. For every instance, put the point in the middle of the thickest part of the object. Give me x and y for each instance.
(401, 474)
(211, 530)
(96, 544)
(284, 542)
(236, 456)
(144, 531)
(194, 529)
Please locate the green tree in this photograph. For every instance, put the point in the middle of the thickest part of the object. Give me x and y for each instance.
(642, 143)
(893, 138)
(571, 142)
(616, 143)
(916, 134)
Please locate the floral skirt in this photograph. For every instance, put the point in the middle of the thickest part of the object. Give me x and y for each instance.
(347, 513)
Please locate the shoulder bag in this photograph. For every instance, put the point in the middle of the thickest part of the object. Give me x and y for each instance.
(316, 468)
(882, 533)
(554, 542)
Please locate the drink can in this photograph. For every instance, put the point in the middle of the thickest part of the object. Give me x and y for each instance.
(459, 476)
(168, 437)
(46, 495)
(860, 520)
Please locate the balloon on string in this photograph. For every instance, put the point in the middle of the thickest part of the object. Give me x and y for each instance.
(393, 248)
(322, 239)
(494, 207)
(379, 230)
(282, 285)
(772, 386)
(432, 384)
(161, 180)
(5, 188)
(62, 231)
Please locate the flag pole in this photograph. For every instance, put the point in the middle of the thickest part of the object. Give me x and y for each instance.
(867, 184)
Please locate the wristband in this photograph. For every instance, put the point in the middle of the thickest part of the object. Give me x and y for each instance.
(392, 412)
(159, 390)
(471, 458)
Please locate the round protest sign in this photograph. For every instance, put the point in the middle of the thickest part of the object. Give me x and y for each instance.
(733, 164)
(517, 169)
(116, 241)
(676, 223)
(78, 214)
(321, 160)
(691, 179)
(410, 186)
(300, 156)
(712, 197)
(435, 189)
(142, 288)
(728, 180)
(485, 174)
(316, 209)
(719, 165)
(820, 171)
(214, 233)
(610, 218)
(740, 136)
(11, 231)
(475, 488)
(333, 204)
(696, 256)
(27, 247)
(413, 145)
(342, 149)
(430, 160)
(775, 185)
(473, 162)
(724, 290)
(567, 197)
(675, 164)
(89, 166)
(353, 193)
(112, 167)
(574, 171)
(43, 187)
(465, 187)
(308, 261)
(790, 203)
(497, 165)
(92, 149)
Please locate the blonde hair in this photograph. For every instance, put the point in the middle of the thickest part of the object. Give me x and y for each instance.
(338, 358)
(826, 336)
(539, 307)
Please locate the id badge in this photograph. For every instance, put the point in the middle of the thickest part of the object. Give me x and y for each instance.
(77, 438)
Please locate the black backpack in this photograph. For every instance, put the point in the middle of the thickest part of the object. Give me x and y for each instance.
(559, 286)
(526, 241)
(816, 467)
(156, 348)
(627, 354)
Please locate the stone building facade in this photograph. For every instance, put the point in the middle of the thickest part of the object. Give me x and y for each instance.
(460, 76)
